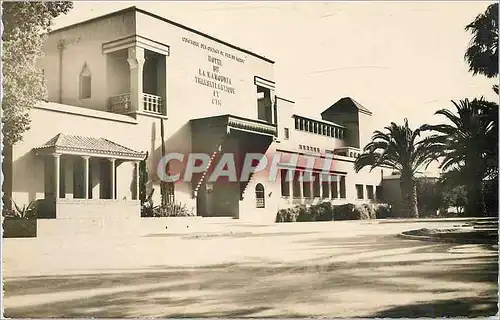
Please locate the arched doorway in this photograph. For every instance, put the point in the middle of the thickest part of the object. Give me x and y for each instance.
(260, 196)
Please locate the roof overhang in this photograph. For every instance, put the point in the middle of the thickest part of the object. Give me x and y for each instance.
(231, 122)
(87, 146)
(46, 151)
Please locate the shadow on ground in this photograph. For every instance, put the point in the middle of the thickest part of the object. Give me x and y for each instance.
(465, 307)
(322, 287)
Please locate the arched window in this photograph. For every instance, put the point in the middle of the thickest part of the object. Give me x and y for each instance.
(259, 196)
(85, 83)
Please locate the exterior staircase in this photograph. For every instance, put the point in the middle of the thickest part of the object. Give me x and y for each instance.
(213, 159)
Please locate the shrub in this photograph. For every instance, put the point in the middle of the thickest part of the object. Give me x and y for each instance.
(305, 213)
(323, 211)
(290, 214)
(281, 215)
(370, 210)
(29, 211)
(383, 211)
(168, 210)
(351, 212)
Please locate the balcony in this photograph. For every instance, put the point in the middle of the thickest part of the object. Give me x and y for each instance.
(122, 103)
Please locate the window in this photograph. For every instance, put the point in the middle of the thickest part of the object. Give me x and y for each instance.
(297, 126)
(359, 191)
(85, 83)
(286, 134)
(316, 185)
(342, 187)
(326, 186)
(296, 185)
(369, 192)
(306, 184)
(378, 193)
(285, 183)
(334, 185)
(264, 104)
(259, 196)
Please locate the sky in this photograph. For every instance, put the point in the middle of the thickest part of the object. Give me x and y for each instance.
(398, 59)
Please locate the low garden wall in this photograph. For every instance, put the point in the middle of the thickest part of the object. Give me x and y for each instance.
(19, 228)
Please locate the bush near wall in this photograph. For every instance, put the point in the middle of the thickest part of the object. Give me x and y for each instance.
(20, 222)
(327, 212)
(168, 210)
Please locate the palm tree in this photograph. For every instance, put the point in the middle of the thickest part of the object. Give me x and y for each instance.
(398, 149)
(482, 52)
(468, 147)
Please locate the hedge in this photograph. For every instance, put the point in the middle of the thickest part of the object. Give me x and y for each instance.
(325, 211)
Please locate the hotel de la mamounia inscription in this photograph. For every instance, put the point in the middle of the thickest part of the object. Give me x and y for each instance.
(212, 77)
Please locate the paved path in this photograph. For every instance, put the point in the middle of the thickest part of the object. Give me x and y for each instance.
(229, 269)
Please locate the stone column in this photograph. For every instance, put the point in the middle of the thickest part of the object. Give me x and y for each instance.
(112, 185)
(57, 174)
(136, 62)
(86, 176)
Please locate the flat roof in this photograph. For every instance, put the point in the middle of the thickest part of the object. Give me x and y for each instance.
(135, 9)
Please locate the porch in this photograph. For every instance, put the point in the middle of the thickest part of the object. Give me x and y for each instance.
(89, 177)
(223, 137)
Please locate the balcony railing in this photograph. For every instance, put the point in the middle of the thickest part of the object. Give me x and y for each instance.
(122, 103)
(152, 103)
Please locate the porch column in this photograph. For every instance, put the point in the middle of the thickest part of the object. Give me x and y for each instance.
(136, 62)
(290, 177)
(57, 174)
(112, 187)
(86, 176)
(137, 163)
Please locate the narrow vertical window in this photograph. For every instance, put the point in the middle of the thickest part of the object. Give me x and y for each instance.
(285, 183)
(287, 134)
(359, 191)
(342, 187)
(85, 83)
(259, 196)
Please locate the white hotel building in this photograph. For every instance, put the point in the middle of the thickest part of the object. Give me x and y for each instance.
(119, 83)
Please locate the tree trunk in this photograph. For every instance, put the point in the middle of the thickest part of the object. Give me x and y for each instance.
(408, 196)
(7, 175)
(475, 202)
(475, 205)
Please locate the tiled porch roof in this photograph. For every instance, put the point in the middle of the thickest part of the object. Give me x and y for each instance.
(97, 146)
